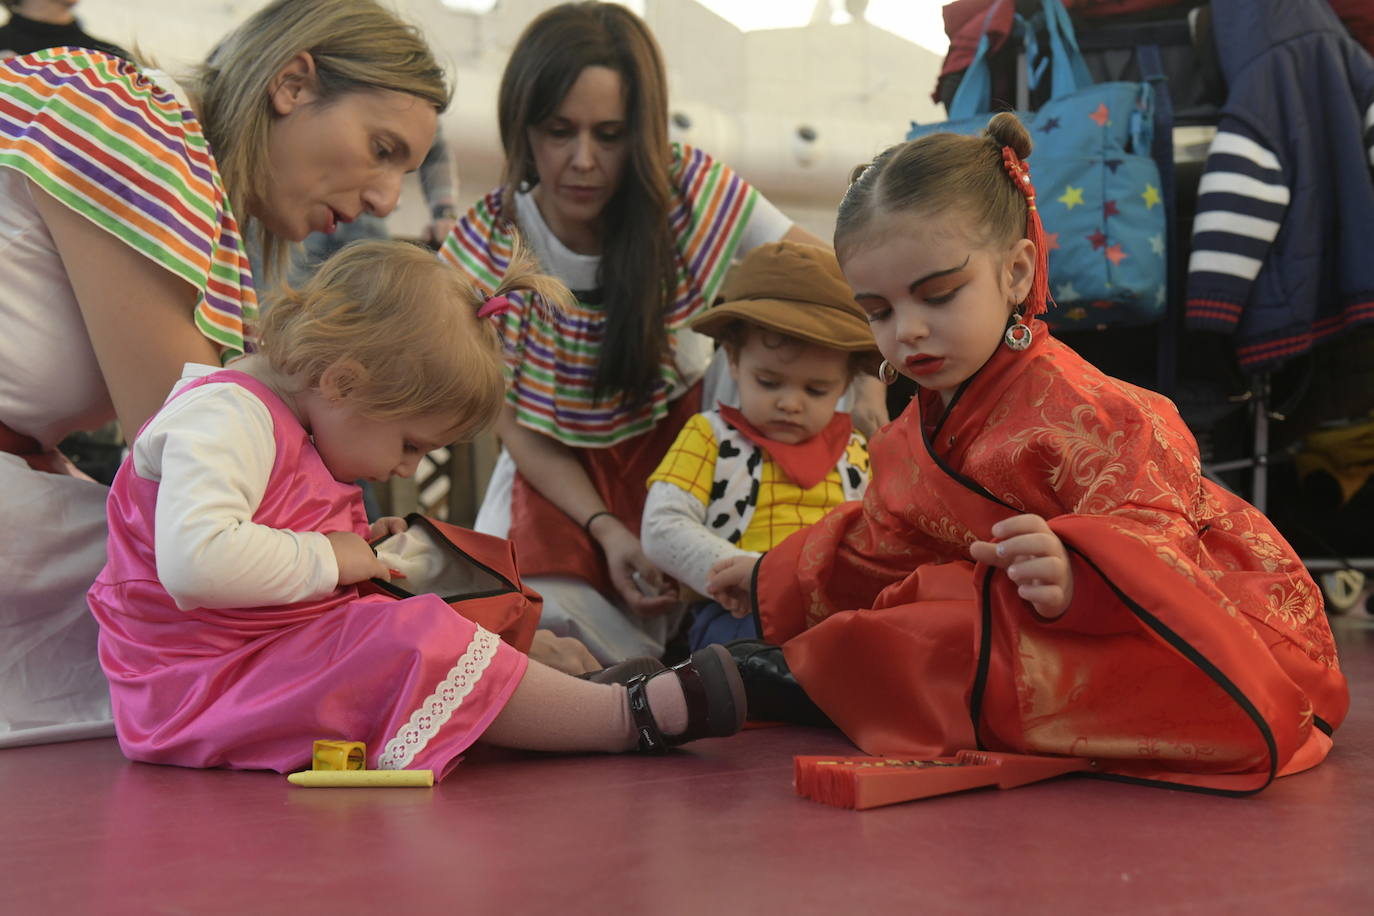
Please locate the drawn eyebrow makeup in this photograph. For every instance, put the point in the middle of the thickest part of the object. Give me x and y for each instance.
(928, 286)
(916, 287)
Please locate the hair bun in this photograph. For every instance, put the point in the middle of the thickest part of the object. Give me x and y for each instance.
(1006, 129)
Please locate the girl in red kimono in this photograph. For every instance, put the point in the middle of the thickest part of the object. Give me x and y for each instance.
(1038, 565)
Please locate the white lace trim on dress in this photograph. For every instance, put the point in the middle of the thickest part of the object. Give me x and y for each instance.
(439, 706)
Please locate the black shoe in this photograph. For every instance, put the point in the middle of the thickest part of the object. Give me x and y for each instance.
(772, 689)
(715, 700)
(624, 672)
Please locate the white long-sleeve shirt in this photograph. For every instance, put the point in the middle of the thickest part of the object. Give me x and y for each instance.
(676, 539)
(211, 450)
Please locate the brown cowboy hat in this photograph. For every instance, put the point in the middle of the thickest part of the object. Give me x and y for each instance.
(794, 289)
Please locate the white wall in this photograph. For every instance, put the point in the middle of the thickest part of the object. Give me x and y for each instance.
(746, 93)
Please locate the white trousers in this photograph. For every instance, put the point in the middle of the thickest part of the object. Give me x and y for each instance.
(52, 546)
(571, 606)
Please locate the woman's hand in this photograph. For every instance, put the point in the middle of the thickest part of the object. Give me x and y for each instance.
(387, 525)
(625, 560)
(869, 407)
(728, 583)
(357, 562)
(564, 653)
(1034, 558)
(552, 469)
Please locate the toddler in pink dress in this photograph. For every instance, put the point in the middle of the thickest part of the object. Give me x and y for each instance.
(231, 627)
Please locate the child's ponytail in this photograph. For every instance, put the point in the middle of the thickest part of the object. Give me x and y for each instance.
(523, 274)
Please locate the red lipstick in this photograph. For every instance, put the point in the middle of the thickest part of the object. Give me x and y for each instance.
(924, 365)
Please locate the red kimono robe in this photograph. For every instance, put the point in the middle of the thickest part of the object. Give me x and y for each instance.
(1196, 650)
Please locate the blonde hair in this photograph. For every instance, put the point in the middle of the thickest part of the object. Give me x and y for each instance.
(405, 326)
(940, 172)
(356, 45)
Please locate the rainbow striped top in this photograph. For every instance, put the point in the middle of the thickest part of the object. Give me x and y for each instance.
(96, 134)
(551, 355)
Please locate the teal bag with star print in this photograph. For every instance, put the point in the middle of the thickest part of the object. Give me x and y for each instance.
(1099, 190)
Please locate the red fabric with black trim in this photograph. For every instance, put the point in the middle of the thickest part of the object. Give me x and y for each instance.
(1196, 650)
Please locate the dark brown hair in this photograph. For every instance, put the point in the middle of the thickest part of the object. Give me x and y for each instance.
(737, 333)
(638, 272)
(940, 172)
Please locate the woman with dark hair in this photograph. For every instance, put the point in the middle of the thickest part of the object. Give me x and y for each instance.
(643, 231)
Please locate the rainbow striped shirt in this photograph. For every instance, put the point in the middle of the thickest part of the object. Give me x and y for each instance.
(95, 133)
(551, 355)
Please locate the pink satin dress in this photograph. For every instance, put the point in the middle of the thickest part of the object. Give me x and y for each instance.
(254, 687)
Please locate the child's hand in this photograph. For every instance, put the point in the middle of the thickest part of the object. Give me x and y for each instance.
(728, 583)
(387, 524)
(357, 562)
(1034, 558)
(565, 653)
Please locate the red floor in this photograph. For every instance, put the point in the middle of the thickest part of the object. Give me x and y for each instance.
(713, 830)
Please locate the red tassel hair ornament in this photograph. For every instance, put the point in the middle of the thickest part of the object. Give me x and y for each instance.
(1038, 299)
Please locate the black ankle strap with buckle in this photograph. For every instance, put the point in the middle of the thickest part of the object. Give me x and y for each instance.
(651, 739)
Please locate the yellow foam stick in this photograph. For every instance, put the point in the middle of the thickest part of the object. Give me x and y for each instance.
(339, 755)
(361, 778)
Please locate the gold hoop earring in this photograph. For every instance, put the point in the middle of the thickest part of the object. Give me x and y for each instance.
(1018, 336)
(887, 373)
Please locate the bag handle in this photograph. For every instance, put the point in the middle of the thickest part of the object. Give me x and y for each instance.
(1069, 72)
(974, 95)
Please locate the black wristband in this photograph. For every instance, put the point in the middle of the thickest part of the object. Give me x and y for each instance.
(587, 525)
(442, 211)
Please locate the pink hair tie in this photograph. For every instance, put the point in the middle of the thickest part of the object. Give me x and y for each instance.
(496, 305)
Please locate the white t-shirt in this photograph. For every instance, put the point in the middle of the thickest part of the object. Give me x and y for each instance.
(578, 271)
(50, 382)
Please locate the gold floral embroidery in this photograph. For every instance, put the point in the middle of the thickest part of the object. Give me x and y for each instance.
(1294, 606)
(1272, 555)
(1170, 558)
(945, 529)
(1089, 458)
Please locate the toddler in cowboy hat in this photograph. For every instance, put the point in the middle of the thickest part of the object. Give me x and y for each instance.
(738, 481)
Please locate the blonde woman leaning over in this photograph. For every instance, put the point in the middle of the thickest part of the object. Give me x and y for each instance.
(123, 201)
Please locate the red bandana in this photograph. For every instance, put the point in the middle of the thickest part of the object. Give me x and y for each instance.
(805, 463)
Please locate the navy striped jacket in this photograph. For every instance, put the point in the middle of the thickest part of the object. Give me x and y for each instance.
(1283, 243)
